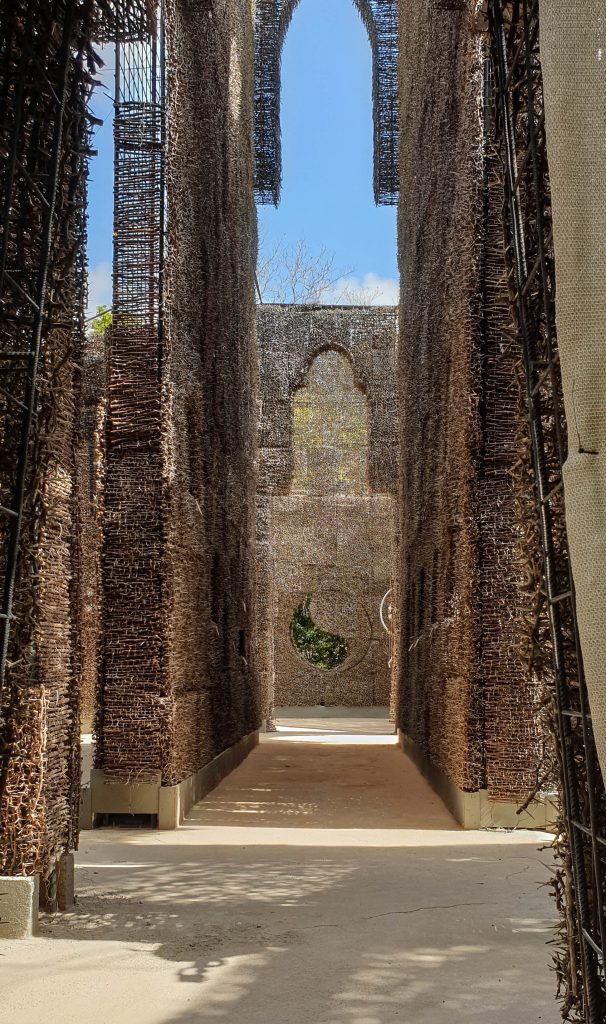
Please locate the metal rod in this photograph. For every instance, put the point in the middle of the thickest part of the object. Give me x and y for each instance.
(12, 161)
(12, 554)
(544, 491)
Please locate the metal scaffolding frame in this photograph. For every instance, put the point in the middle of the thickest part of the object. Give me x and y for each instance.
(139, 171)
(514, 29)
(133, 526)
(273, 18)
(47, 73)
(35, 55)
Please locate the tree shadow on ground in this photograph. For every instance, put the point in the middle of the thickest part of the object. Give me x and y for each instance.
(451, 934)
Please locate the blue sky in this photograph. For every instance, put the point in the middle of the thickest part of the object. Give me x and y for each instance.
(327, 146)
(327, 152)
(100, 191)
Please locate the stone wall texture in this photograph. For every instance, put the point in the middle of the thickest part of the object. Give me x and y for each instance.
(328, 475)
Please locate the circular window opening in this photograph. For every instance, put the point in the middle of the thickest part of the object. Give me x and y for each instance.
(321, 649)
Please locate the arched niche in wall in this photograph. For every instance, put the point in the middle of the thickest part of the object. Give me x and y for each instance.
(330, 429)
(273, 19)
(325, 520)
(289, 339)
(332, 542)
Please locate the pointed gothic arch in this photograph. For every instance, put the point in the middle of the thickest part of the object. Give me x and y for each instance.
(272, 23)
(330, 424)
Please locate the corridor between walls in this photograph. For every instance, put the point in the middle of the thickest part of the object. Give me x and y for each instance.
(323, 882)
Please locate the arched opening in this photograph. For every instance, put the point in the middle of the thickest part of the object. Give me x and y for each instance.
(273, 21)
(324, 102)
(330, 420)
(331, 537)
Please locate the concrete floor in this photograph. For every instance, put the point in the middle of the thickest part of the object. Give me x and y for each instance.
(322, 883)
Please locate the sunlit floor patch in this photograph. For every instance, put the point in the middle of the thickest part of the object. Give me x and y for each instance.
(323, 882)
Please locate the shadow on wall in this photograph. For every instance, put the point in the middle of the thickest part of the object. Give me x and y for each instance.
(338, 938)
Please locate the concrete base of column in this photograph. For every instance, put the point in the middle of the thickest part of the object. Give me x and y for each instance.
(477, 810)
(168, 804)
(175, 802)
(19, 899)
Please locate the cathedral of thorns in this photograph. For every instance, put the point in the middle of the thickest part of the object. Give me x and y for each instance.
(189, 496)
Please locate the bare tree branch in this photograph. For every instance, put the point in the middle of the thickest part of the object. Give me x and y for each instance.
(296, 275)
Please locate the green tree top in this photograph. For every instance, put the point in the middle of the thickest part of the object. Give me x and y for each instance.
(101, 322)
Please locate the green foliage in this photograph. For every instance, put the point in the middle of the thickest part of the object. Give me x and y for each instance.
(320, 649)
(101, 322)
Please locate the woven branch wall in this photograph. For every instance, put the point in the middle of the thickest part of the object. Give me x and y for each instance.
(273, 18)
(90, 457)
(467, 693)
(133, 709)
(179, 544)
(40, 784)
(209, 394)
(124, 20)
(328, 477)
(507, 534)
(522, 47)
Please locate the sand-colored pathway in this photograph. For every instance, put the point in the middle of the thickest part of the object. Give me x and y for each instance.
(322, 883)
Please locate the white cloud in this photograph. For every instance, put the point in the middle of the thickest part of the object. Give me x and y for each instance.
(370, 290)
(99, 287)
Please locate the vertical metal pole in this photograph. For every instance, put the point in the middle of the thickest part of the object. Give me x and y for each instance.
(15, 512)
(585, 897)
(162, 240)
